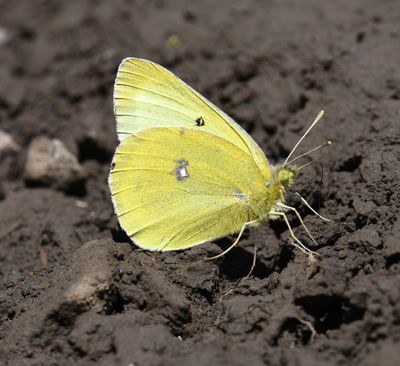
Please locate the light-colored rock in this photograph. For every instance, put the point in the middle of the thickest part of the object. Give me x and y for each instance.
(50, 163)
(4, 36)
(90, 274)
(7, 144)
(9, 153)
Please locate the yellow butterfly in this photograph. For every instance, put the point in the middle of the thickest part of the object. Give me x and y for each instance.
(185, 172)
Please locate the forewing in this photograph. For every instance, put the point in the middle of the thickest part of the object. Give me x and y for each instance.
(146, 95)
(174, 188)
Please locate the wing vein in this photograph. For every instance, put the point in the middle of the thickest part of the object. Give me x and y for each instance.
(153, 104)
(152, 92)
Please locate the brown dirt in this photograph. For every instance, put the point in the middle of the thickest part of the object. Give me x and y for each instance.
(75, 292)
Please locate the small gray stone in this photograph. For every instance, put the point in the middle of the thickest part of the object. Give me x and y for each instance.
(50, 163)
(9, 153)
(90, 273)
(7, 145)
(4, 36)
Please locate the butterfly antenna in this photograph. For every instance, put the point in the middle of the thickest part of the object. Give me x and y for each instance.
(325, 144)
(319, 116)
(306, 164)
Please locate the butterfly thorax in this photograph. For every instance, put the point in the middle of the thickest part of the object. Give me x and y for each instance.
(273, 195)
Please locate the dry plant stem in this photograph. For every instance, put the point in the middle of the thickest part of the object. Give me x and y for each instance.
(310, 326)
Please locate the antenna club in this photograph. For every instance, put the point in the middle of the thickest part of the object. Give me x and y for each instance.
(319, 116)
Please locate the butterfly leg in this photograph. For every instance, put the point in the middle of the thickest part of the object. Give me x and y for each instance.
(233, 244)
(297, 243)
(253, 264)
(312, 210)
(248, 274)
(300, 219)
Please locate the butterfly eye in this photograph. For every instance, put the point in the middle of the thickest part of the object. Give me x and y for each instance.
(200, 121)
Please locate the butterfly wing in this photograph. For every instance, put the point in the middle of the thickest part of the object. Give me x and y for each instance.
(174, 188)
(146, 95)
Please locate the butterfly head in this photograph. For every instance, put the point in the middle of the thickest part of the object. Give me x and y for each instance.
(286, 174)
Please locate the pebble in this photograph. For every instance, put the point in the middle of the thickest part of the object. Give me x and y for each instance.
(9, 153)
(7, 144)
(4, 36)
(49, 163)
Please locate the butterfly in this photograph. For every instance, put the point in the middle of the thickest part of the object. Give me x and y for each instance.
(185, 173)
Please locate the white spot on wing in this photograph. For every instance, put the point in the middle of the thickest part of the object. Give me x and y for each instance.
(239, 194)
(181, 171)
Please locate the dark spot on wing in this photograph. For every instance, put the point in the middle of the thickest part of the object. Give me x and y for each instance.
(200, 121)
